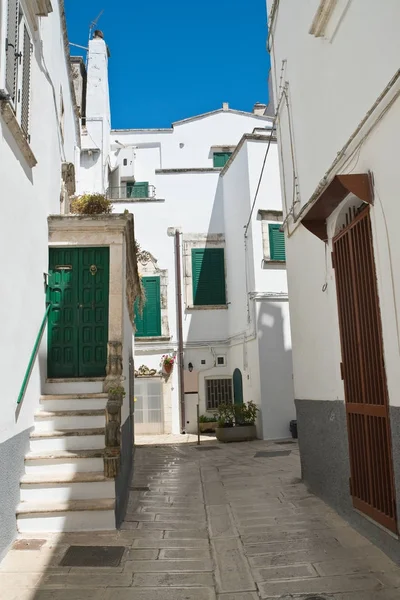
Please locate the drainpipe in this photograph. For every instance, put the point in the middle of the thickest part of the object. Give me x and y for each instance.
(178, 282)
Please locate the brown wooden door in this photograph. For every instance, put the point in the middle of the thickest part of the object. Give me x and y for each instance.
(367, 406)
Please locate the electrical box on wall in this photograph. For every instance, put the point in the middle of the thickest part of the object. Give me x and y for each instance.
(221, 361)
(126, 162)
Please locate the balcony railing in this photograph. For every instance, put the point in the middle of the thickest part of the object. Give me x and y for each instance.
(131, 193)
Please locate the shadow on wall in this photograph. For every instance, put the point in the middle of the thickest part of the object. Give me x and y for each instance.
(276, 369)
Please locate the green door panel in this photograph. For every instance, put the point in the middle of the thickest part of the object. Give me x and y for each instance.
(62, 325)
(237, 387)
(93, 312)
(78, 319)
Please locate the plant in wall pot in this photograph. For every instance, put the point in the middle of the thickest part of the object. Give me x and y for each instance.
(236, 422)
(167, 363)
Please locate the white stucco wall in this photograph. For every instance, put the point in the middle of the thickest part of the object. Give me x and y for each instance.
(29, 195)
(323, 118)
(193, 202)
(94, 164)
(265, 357)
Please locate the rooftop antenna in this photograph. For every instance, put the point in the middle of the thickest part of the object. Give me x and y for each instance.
(91, 29)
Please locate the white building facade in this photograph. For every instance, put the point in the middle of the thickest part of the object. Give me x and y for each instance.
(337, 120)
(66, 431)
(39, 142)
(216, 293)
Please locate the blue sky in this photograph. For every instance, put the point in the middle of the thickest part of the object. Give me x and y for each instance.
(172, 59)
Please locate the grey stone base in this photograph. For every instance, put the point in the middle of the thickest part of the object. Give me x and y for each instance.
(244, 433)
(123, 480)
(325, 464)
(12, 456)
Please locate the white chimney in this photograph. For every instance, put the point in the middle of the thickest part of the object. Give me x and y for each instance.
(225, 106)
(259, 108)
(96, 135)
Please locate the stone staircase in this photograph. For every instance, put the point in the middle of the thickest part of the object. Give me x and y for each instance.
(64, 488)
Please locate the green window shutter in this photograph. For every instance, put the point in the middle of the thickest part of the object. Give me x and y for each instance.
(221, 158)
(130, 186)
(208, 276)
(149, 323)
(141, 189)
(276, 242)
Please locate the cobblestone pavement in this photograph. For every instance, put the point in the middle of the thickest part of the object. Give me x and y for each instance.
(215, 523)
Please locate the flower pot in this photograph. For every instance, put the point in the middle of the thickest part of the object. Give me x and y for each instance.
(244, 433)
(167, 368)
(208, 427)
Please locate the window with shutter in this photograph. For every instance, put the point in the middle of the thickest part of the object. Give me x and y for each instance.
(26, 82)
(221, 158)
(148, 324)
(276, 242)
(208, 276)
(12, 48)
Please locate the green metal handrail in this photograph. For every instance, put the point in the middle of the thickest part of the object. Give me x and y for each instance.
(33, 355)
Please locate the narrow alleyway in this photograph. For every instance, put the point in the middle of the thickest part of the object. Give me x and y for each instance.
(226, 522)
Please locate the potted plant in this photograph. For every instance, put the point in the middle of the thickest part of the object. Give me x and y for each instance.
(208, 424)
(91, 204)
(236, 422)
(167, 363)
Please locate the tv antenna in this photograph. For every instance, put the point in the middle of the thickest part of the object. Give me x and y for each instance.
(94, 23)
(91, 29)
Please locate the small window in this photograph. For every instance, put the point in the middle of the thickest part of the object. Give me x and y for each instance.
(135, 189)
(221, 361)
(276, 242)
(218, 391)
(125, 162)
(148, 324)
(221, 158)
(208, 276)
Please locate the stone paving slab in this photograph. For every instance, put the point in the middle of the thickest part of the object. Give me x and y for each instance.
(212, 526)
(319, 585)
(232, 571)
(169, 543)
(202, 593)
(173, 580)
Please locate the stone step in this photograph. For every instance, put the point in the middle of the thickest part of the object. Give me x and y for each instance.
(90, 385)
(74, 515)
(55, 402)
(63, 487)
(67, 439)
(69, 419)
(64, 461)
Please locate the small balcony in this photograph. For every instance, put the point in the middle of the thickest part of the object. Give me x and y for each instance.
(132, 192)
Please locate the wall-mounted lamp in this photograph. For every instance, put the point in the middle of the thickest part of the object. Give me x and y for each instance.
(190, 367)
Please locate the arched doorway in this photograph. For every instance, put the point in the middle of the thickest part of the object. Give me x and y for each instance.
(237, 387)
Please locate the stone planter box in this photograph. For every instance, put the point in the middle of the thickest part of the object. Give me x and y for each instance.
(236, 434)
(208, 427)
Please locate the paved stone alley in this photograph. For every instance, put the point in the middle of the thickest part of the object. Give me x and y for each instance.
(219, 522)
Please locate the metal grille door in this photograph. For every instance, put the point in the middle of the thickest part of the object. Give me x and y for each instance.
(364, 375)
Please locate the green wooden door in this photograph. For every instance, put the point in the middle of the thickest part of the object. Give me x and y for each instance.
(237, 387)
(78, 319)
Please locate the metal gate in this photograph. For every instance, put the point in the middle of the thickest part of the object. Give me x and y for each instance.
(363, 371)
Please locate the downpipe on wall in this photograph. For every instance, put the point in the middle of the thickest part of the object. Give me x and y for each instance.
(178, 281)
